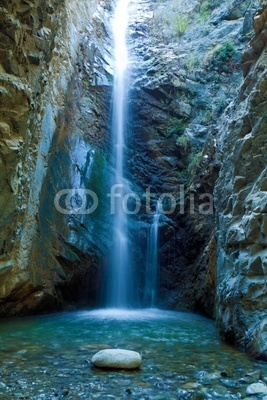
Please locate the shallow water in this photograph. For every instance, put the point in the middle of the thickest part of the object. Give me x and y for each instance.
(48, 357)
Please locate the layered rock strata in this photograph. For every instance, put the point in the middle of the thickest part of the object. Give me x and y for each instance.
(186, 71)
(241, 202)
(42, 45)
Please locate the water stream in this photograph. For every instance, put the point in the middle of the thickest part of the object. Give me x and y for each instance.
(151, 279)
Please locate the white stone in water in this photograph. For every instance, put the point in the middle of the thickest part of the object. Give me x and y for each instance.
(257, 388)
(117, 358)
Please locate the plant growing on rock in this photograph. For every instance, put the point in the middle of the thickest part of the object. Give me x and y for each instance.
(176, 126)
(206, 7)
(205, 11)
(219, 56)
(194, 160)
(225, 51)
(183, 142)
(180, 24)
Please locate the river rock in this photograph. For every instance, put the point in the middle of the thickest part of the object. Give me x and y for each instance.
(257, 388)
(117, 358)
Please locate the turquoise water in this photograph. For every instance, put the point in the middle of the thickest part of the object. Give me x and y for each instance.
(48, 357)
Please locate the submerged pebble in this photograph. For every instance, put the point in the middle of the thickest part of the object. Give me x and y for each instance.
(257, 388)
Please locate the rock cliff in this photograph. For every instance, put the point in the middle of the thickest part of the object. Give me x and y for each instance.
(241, 204)
(44, 253)
(186, 71)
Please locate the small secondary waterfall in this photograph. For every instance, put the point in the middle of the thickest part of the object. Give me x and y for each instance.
(119, 274)
(151, 277)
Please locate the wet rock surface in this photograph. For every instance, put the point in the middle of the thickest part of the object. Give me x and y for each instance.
(241, 206)
(185, 72)
(44, 260)
(257, 388)
(117, 358)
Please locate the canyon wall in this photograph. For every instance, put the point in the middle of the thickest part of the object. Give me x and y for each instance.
(241, 203)
(186, 71)
(44, 73)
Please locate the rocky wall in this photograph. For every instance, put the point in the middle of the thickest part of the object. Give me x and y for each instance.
(241, 199)
(185, 72)
(41, 47)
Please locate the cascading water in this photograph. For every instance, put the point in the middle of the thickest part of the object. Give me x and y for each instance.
(151, 277)
(119, 274)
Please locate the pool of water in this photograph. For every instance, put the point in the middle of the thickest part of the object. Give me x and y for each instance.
(48, 357)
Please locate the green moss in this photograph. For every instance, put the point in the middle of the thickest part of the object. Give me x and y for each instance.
(175, 126)
(71, 255)
(191, 161)
(194, 159)
(183, 142)
(98, 178)
(180, 23)
(85, 84)
(205, 11)
(225, 52)
(220, 55)
(165, 101)
(99, 182)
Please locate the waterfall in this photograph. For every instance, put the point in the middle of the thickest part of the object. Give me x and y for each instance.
(151, 278)
(119, 274)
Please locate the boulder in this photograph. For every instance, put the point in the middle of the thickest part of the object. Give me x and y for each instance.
(117, 358)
